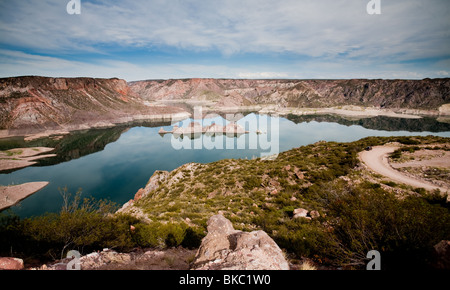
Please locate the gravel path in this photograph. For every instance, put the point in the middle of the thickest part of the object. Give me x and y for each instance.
(376, 160)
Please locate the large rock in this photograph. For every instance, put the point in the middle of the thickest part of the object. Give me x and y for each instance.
(225, 248)
(11, 264)
(300, 213)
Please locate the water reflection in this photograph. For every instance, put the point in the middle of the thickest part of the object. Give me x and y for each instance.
(379, 122)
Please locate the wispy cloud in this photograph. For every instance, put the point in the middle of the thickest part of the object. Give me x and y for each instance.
(262, 75)
(320, 31)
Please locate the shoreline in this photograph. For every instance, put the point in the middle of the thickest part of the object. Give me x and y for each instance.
(346, 110)
(34, 134)
(353, 112)
(22, 157)
(11, 195)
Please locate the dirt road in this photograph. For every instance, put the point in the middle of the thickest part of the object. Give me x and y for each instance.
(376, 159)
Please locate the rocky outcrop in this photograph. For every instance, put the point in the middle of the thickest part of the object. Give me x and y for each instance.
(427, 94)
(151, 259)
(9, 263)
(158, 179)
(154, 182)
(225, 248)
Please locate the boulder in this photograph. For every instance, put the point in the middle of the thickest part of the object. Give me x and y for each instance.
(139, 194)
(9, 263)
(300, 212)
(314, 214)
(299, 174)
(225, 248)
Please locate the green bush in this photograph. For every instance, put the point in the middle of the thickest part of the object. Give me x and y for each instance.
(407, 140)
(160, 235)
(368, 218)
(251, 182)
(396, 154)
(50, 236)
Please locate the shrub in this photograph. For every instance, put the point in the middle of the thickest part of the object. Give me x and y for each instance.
(407, 140)
(367, 218)
(396, 154)
(161, 235)
(251, 182)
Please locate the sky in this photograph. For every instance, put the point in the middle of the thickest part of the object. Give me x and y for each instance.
(242, 39)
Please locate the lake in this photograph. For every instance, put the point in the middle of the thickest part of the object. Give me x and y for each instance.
(114, 163)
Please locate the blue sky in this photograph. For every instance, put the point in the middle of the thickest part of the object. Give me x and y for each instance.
(163, 39)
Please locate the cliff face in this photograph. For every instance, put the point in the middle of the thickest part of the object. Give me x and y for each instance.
(40, 103)
(47, 103)
(427, 94)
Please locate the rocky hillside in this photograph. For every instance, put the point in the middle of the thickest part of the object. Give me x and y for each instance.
(317, 202)
(47, 103)
(311, 200)
(429, 94)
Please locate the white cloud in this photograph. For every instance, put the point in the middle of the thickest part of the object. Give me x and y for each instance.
(262, 75)
(322, 38)
(15, 63)
(443, 73)
(406, 29)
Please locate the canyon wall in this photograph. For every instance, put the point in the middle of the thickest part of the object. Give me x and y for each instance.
(44, 103)
(427, 94)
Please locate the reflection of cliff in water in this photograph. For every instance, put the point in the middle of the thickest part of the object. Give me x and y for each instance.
(76, 144)
(379, 123)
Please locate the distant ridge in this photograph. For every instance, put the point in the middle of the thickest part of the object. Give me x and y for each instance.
(426, 94)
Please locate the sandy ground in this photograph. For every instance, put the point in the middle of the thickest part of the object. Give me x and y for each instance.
(376, 160)
(10, 195)
(435, 158)
(22, 157)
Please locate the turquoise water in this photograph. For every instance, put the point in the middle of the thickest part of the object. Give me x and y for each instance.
(114, 163)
